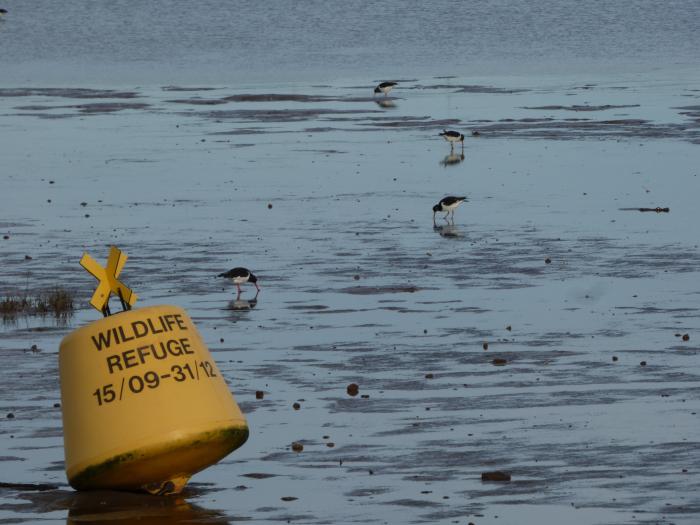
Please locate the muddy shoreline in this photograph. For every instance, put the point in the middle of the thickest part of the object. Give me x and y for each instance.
(511, 340)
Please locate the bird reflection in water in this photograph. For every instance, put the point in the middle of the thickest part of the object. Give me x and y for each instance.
(243, 304)
(452, 159)
(447, 230)
(123, 508)
(385, 103)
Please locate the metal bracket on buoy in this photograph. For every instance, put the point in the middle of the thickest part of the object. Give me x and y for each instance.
(109, 284)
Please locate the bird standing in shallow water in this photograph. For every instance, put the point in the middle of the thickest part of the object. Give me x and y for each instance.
(448, 205)
(384, 87)
(452, 137)
(239, 276)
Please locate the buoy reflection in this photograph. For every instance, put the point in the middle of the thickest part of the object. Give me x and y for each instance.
(124, 508)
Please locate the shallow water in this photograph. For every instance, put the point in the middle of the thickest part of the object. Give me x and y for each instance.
(238, 42)
(360, 286)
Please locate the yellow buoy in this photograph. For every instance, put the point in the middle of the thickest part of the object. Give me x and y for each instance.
(144, 405)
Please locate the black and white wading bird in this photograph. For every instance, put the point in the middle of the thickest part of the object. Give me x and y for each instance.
(452, 137)
(385, 87)
(239, 276)
(448, 206)
(3, 12)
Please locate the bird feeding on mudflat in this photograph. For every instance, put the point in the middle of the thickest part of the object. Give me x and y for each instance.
(448, 206)
(452, 137)
(240, 276)
(385, 87)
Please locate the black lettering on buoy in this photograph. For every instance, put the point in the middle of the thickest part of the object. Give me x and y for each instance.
(143, 352)
(185, 344)
(169, 320)
(155, 351)
(114, 361)
(154, 330)
(139, 332)
(124, 338)
(103, 340)
(180, 321)
(129, 358)
(177, 348)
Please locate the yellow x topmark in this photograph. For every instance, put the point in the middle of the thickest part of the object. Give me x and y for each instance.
(109, 284)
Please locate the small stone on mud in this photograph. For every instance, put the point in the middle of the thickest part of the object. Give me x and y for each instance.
(486, 346)
(83, 204)
(643, 363)
(296, 406)
(288, 498)
(547, 260)
(495, 476)
(685, 337)
(365, 396)
(499, 361)
(330, 444)
(429, 376)
(509, 328)
(425, 331)
(57, 405)
(5, 237)
(297, 447)
(27, 257)
(10, 416)
(353, 389)
(269, 205)
(614, 358)
(259, 394)
(87, 215)
(356, 277)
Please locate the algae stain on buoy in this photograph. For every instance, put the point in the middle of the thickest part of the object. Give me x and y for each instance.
(144, 404)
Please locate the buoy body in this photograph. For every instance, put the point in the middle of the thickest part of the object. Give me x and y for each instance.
(144, 405)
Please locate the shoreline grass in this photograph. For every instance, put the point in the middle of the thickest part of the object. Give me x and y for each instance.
(56, 301)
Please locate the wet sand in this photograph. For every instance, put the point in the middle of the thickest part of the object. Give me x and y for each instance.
(487, 345)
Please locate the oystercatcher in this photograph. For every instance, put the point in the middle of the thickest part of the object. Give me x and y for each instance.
(239, 276)
(448, 205)
(452, 137)
(384, 87)
(3, 12)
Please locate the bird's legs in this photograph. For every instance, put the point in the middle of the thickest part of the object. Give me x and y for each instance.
(257, 288)
(447, 215)
(238, 286)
